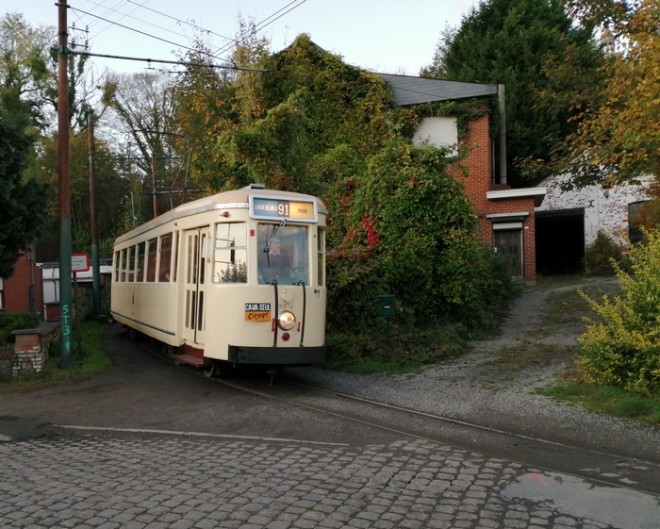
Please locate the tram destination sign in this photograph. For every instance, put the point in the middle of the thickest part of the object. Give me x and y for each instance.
(271, 208)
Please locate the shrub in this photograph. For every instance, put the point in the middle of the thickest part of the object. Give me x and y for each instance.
(601, 255)
(623, 348)
(12, 322)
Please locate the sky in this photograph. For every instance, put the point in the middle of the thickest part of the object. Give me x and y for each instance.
(385, 36)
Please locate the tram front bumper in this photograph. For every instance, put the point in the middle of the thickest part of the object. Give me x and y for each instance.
(290, 356)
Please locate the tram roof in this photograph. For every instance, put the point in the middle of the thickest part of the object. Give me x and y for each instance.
(237, 198)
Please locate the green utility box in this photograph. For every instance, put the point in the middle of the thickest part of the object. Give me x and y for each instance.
(386, 305)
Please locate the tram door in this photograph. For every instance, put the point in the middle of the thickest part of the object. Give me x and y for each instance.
(196, 242)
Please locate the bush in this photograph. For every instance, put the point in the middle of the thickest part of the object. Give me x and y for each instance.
(410, 231)
(623, 348)
(390, 348)
(601, 256)
(12, 322)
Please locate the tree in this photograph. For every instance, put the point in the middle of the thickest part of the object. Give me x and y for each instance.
(618, 135)
(143, 105)
(112, 193)
(23, 201)
(28, 66)
(24, 58)
(510, 42)
(203, 110)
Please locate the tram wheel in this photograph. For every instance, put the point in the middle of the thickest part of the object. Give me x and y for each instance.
(211, 370)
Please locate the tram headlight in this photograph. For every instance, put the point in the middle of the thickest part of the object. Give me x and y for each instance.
(286, 320)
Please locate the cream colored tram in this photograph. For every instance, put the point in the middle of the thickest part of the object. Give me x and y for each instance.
(235, 277)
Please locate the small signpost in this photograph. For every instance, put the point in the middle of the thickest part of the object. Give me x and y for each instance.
(79, 262)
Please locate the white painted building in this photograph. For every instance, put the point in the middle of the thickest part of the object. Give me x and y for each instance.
(569, 221)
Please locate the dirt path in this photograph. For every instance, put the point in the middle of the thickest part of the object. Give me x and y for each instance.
(538, 336)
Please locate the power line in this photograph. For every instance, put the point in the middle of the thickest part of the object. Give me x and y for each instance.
(164, 61)
(132, 29)
(260, 25)
(178, 20)
(294, 4)
(129, 15)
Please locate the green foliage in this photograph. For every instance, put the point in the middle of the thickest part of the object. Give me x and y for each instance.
(388, 347)
(510, 42)
(399, 221)
(601, 255)
(411, 233)
(88, 358)
(24, 59)
(288, 124)
(23, 200)
(12, 322)
(618, 137)
(608, 399)
(623, 348)
(111, 193)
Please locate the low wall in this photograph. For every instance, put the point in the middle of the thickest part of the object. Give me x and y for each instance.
(31, 348)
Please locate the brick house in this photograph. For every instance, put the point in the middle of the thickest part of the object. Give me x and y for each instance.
(506, 217)
(22, 292)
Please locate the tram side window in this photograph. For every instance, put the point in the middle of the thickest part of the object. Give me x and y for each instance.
(230, 253)
(321, 257)
(122, 266)
(139, 262)
(165, 264)
(176, 256)
(130, 263)
(152, 254)
(117, 265)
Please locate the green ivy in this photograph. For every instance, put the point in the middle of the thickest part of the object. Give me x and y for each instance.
(399, 222)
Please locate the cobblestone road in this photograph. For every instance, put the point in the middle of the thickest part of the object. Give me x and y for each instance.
(144, 480)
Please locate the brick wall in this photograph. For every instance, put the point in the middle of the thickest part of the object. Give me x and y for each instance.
(31, 349)
(22, 291)
(475, 172)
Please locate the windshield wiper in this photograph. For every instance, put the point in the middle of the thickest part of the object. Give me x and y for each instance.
(266, 250)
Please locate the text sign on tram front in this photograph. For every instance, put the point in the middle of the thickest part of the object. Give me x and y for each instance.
(271, 208)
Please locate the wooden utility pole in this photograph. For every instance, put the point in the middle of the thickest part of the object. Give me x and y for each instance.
(66, 310)
(96, 267)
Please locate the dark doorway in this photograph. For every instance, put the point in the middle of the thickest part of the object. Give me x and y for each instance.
(560, 242)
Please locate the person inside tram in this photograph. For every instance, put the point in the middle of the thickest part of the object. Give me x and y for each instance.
(274, 262)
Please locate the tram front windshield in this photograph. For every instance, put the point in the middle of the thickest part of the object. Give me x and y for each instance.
(283, 255)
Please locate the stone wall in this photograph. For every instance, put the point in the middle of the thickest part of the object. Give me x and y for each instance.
(31, 349)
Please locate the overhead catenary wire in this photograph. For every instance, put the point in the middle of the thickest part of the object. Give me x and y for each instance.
(178, 20)
(260, 25)
(294, 4)
(142, 21)
(132, 29)
(164, 61)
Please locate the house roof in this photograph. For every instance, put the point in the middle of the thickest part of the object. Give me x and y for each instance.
(408, 90)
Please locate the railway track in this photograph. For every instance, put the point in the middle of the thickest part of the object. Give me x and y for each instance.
(597, 466)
